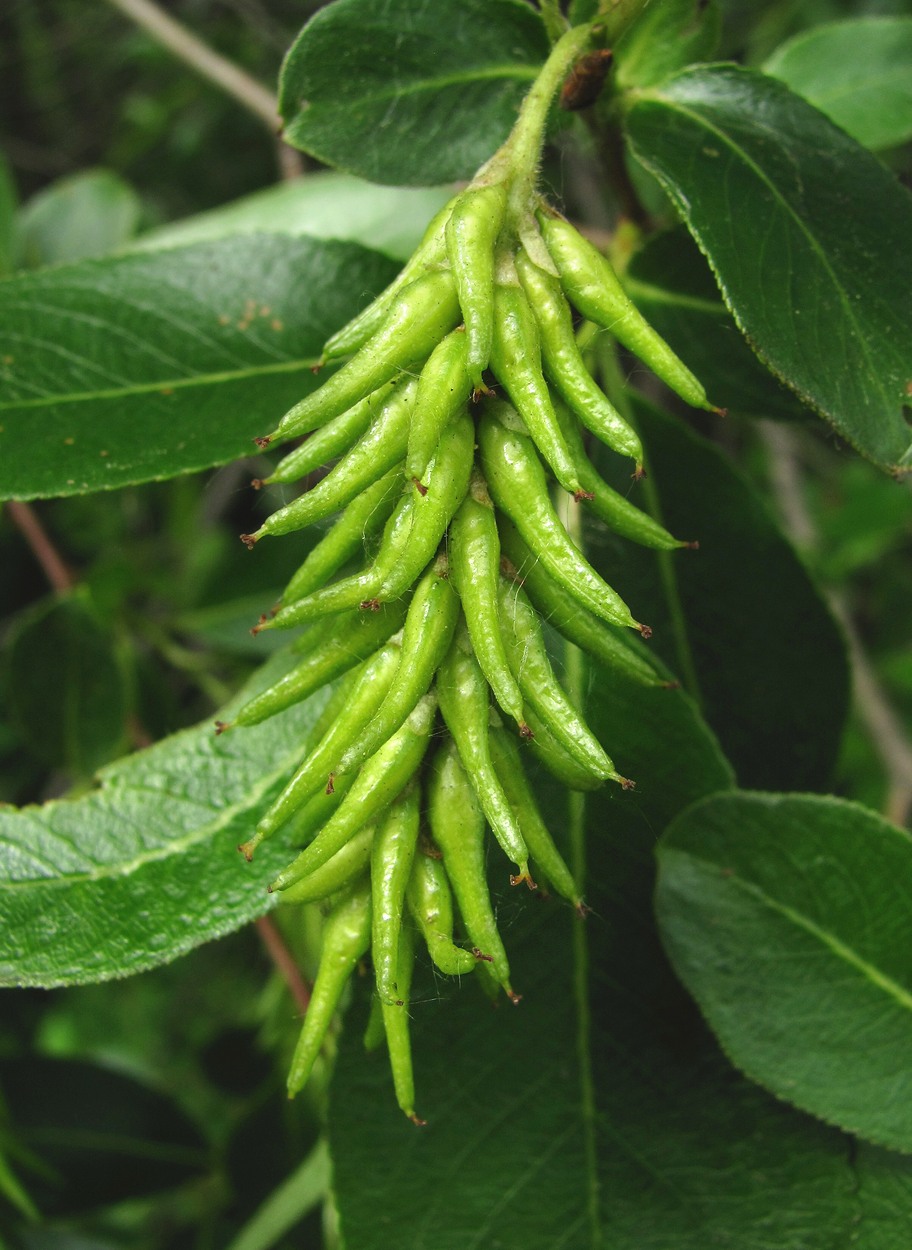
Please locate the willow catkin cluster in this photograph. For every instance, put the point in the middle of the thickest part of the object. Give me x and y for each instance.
(461, 405)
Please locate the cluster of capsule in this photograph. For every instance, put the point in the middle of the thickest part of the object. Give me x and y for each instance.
(464, 391)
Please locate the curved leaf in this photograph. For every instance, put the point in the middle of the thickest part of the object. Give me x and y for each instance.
(597, 1112)
(324, 205)
(745, 627)
(665, 38)
(407, 93)
(858, 72)
(672, 285)
(88, 214)
(146, 867)
(807, 234)
(789, 920)
(141, 367)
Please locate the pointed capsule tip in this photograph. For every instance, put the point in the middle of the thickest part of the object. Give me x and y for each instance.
(645, 630)
(221, 726)
(523, 876)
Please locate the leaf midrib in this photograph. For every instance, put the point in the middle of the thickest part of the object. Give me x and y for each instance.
(198, 834)
(163, 385)
(423, 85)
(729, 142)
(902, 996)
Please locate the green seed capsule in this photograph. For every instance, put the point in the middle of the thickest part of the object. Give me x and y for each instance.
(431, 904)
(458, 825)
(333, 648)
(565, 366)
(577, 624)
(410, 538)
(377, 451)
(465, 706)
(471, 233)
(331, 440)
(526, 649)
(549, 752)
(426, 638)
(617, 512)
(364, 517)
(315, 771)
(336, 874)
(391, 866)
(346, 937)
(359, 590)
(307, 822)
(375, 1033)
(422, 313)
(447, 482)
(443, 389)
(517, 483)
(516, 360)
(592, 285)
(474, 552)
(381, 779)
(509, 768)
(355, 333)
(396, 1026)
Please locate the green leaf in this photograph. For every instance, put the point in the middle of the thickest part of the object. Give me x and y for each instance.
(598, 1112)
(145, 366)
(665, 38)
(739, 620)
(64, 685)
(146, 867)
(673, 287)
(104, 1137)
(858, 72)
(323, 205)
(807, 235)
(788, 918)
(411, 94)
(87, 214)
(8, 200)
(885, 1198)
(299, 1194)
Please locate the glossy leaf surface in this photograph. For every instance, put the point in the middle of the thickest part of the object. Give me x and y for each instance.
(858, 72)
(665, 38)
(673, 287)
(807, 234)
(738, 620)
(88, 214)
(789, 920)
(146, 867)
(412, 94)
(325, 205)
(142, 367)
(598, 1111)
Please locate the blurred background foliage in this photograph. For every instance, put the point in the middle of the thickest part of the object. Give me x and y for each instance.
(150, 1113)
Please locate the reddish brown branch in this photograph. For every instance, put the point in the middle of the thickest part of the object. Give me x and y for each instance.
(281, 957)
(26, 521)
